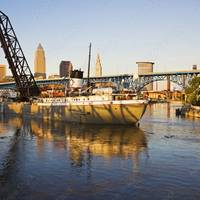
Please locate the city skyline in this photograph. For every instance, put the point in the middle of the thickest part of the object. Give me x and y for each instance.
(164, 32)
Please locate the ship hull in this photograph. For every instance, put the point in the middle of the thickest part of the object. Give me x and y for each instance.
(107, 112)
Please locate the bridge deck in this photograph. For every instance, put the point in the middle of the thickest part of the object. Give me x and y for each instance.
(121, 78)
(184, 72)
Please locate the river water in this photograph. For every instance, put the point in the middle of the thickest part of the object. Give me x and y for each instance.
(58, 161)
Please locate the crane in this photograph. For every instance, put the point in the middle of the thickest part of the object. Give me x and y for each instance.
(18, 64)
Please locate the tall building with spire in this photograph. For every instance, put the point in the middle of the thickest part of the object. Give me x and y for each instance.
(98, 67)
(40, 63)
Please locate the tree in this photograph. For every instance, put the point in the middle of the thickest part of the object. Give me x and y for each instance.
(193, 92)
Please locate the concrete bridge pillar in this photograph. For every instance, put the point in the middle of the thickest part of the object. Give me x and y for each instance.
(168, 83)
(184, 80)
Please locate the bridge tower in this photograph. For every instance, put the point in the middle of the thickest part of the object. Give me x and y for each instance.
(21, 72)
(143, 68)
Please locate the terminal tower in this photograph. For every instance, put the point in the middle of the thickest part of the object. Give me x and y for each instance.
(40, 63)
(98, 67)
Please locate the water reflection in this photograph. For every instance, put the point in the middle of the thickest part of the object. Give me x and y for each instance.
(54, 160)
(85, 141)
(10, 157)
(81, 142)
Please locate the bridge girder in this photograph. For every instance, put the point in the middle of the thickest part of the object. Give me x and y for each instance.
(179, 79)
(123, 81)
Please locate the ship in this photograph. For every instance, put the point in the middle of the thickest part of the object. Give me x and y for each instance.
(91, 103)
(95, 109)
(100, 103)
(91, 110)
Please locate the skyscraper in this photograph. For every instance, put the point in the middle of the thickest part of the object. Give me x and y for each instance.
(65, 68)
(2, 72)
(40, 63)
(98, 67)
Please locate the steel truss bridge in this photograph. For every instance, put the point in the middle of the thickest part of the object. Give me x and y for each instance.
(18, 64)
(124, 81)
(181, 78)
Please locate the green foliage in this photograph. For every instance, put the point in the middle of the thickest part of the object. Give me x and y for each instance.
(193, 92)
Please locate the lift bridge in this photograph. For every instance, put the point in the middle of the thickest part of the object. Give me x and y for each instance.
(18, 64)
(127, 81)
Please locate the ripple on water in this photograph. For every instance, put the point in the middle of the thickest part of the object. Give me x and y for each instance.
(42, 160)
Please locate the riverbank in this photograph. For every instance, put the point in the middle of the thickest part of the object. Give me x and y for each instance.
(194, 111)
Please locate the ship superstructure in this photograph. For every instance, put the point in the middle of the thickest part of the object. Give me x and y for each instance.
(100, 103)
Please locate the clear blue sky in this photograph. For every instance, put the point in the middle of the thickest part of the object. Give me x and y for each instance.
(122, 31)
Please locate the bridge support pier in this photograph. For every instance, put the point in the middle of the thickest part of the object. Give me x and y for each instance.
(168, 83)
(184, 80)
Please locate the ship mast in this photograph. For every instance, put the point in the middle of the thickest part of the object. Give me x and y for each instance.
(89, 58)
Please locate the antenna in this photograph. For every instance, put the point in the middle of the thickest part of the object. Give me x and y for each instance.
(89, 58)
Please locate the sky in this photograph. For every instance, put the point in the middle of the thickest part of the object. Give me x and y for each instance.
(123, 32)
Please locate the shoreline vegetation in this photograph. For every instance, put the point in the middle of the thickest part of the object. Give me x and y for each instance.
(193, 111)
(193, 97)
